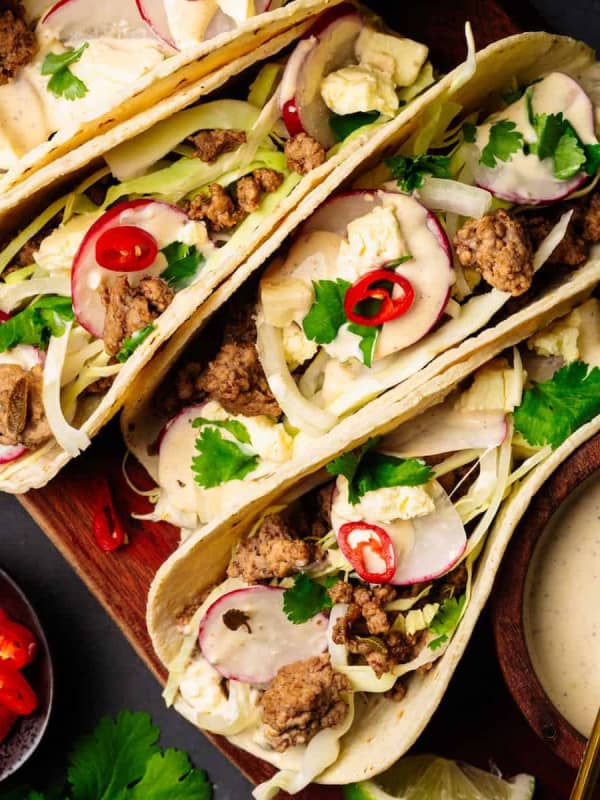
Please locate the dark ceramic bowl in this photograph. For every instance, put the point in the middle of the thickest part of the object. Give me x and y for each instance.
(508, 602)
(28, 731)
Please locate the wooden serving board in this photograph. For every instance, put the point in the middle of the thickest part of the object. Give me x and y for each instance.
(478, 721)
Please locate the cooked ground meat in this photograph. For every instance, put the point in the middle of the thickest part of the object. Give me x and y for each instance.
(303, 699)
(453, 584)
(101, 386)
(572, 250)
(275, 551)
(250, 188)
(497, 245)
(367, 628)
(22, 416)
(213, 143)
(269, 180)
(17, 43)
(131, 308)
(25, 256)
(218, 211)
(591, 225)
(304, 153)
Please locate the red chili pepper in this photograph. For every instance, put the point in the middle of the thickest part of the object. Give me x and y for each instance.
(368, 538)
(126, 248)
(17, 643)
(365, 288)
(4, 316)
(109, 532)
(7, 721)
(15, 692)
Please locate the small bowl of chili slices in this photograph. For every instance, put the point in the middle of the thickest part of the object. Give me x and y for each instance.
(26, 678)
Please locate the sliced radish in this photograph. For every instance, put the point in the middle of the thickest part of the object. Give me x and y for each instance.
(162, 220)
(429, 270)
(10, 453)
(444, 430)
(80, 19)
(179, 23)
(177, 448)
(328, 46)
(247, 637)
(26, 356)
(524, 178)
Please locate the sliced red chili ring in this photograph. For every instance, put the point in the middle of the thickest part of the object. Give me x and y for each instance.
(126, 248)
(17, 643)
(365, 288)
(359, 539)
(7, 721)
(108, 529)
(15, 692)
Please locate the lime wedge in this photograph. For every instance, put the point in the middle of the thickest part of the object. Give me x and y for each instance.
(432, 778)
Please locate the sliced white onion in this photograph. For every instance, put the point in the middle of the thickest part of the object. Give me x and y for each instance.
(445, 429)
(465, 71)
(476, 500)
(301, 413)
(442, 194)
(72, 440)
(337, 652)
(549, 244)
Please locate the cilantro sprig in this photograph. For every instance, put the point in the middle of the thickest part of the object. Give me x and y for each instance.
(121, 760)
(63, 82)
(236, 428)
(220, 460)
(367, 470)
(184, 262)
(446, 620)
(307, 598)
(551, 411)
(131, 343)
(504, 140)
(343, 125)
(42, 319)
(410, 172)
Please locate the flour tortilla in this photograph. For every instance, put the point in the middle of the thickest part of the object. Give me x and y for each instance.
(170, 79)
(383, 730)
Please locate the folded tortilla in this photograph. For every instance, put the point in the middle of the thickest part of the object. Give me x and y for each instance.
(383, 729)
(178, 79)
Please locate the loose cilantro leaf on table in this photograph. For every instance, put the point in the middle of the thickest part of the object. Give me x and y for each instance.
(184, 261)
(410, 172)
(343, 125)
(366, 470)
(327, 314)
(35, 325)
(131, 344)
(233, 426)
(551, 411)
(504, 140)
(306, 598)
(220, 460)
(446, 620)
(121, 760)
(63, 83)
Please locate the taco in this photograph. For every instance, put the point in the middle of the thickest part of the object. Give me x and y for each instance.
(73, 69)
(106, 273)
(410, 269)
(320, 632)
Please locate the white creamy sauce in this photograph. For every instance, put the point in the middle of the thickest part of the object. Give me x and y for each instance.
(561, 616)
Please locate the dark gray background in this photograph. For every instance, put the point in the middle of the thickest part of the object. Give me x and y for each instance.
(97, 671)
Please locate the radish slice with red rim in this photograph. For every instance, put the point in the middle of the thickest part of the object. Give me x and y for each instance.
(162, 221)
(328, 46)
(10, 453)
(246, 636)
(78, 19)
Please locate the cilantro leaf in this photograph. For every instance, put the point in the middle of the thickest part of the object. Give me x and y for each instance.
(343, 125)
(35, 325)
(220, 460)
(366, 470)
(327, 314)
(446, 619)
(112, 757)
(133, 342)
(410, 172)
(551, 411)
(184, 261)
(170, 776)
(306, 598)
(368, 334)
(569, 156)
(557, 139)
(504, 140)
(63, 83)
(235, 428)
(549, 129)
(469, 132)
(592, 158)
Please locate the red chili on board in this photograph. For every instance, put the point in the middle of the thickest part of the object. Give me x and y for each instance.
(17, 643)
(7, 721)
(15, 692)
(365, 288)
(356, 539)
(126, 248)
(108, 529)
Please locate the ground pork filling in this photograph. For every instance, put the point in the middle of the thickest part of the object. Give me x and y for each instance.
(22, 416)
(18, 45)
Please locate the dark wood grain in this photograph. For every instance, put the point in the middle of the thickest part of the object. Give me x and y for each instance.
(478, 720)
